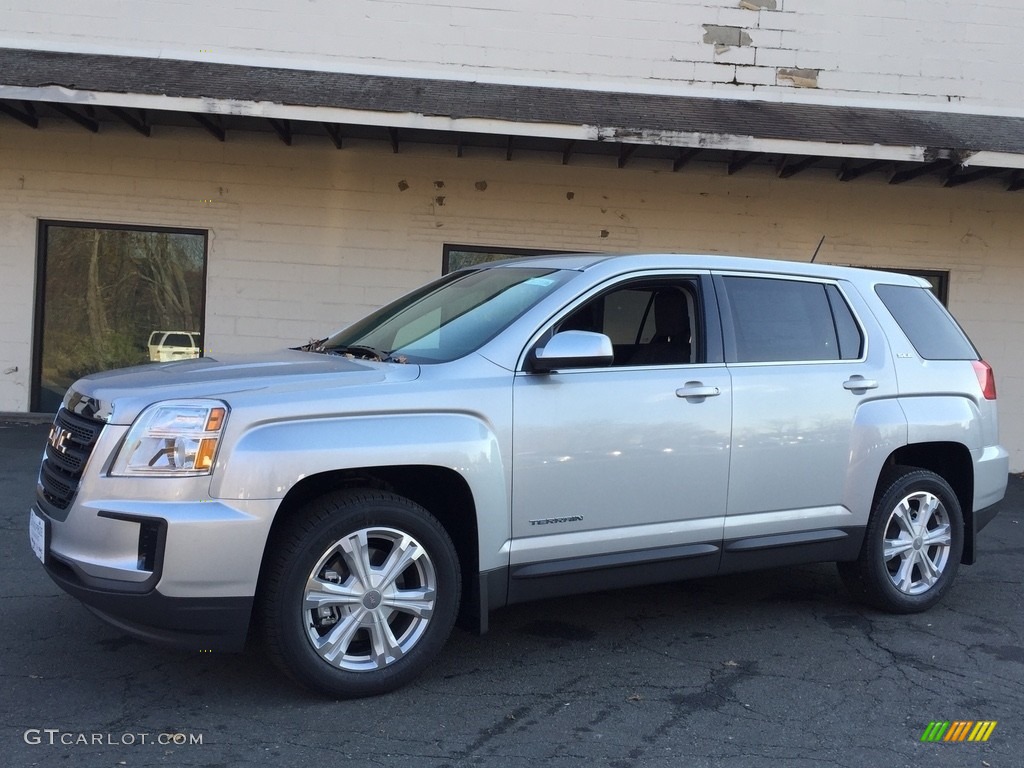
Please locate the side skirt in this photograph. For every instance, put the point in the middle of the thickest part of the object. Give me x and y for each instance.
(596, 573)
(757, 552)
(619, 570)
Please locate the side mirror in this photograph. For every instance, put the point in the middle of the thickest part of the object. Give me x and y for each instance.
(573, 349)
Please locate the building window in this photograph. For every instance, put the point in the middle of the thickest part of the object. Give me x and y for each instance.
(459, 256)
(938, 279)
(110, 296)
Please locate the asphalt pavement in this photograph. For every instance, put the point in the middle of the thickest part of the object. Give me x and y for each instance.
(775, 668)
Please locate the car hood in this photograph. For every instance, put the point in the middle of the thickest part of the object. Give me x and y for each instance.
(119, 396)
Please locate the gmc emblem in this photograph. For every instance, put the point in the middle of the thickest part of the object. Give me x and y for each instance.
(59, 438)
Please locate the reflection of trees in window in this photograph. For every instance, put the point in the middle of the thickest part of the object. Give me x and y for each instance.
(106, 290)
(459, 256)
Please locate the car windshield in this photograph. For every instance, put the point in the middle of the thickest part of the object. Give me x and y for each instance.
(448, 318)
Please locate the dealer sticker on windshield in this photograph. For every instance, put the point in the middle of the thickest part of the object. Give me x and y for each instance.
(37, 535)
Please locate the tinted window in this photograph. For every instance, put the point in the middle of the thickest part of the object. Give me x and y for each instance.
(649, 323)
(934, 334)
(178, 340)
(790, 320)
(850, 341)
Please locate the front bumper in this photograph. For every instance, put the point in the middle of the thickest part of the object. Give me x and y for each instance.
(199, 624)
(182, 574)
(156, 557)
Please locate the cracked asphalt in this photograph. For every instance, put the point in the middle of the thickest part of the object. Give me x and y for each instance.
(774, 668)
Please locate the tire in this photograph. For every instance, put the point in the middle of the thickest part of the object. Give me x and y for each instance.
(912, 545)
(359, 594)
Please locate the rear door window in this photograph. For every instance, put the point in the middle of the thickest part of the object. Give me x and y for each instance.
(778, 320)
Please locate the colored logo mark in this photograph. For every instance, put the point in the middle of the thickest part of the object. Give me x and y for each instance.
(959, 730)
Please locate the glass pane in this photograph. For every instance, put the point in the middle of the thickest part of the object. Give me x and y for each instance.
(645, 324)
(850, 342)
(459, 256)
(930, 328)
(113, 298)
(781, 320)
(457, 259)
(938, 280)
(450, 317)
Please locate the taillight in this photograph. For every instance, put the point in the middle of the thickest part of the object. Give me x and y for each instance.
(986, 379)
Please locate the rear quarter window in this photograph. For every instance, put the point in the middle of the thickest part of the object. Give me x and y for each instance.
(930, 328)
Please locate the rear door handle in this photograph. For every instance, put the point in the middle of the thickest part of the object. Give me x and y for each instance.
(859, 383)
(696, 389)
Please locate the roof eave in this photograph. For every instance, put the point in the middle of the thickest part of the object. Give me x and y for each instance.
(549, 130)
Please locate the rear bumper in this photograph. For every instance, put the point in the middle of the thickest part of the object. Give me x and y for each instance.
(991, 476)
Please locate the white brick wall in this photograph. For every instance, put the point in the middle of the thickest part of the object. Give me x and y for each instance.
(939, 52)
(305, 239)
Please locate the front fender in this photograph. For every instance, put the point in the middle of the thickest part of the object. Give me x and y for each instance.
(267, 460)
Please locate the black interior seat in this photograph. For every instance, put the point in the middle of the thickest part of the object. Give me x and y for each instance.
(671, 341)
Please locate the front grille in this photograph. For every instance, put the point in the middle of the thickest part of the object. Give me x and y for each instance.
(72, 439)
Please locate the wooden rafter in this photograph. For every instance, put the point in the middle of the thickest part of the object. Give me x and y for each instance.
(282, 128)
(137, 123)
(957, 176)
(741, 160)
(917, 171)
(567, 151)
(28, 116)
(86, 121)
(334, 131)
(849, 172)
(791, 166)
(210, 125)
(684, 157)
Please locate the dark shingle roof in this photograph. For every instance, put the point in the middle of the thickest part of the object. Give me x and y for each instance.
(620, 115)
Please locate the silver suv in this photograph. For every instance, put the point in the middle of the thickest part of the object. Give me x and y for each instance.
(518, 431)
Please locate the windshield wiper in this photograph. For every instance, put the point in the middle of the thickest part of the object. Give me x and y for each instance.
(360, 351)
(314, 345)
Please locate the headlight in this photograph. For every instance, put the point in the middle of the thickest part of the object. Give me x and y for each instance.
(173, 438)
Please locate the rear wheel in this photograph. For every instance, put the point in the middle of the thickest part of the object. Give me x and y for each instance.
(912, 544)
(361, 593)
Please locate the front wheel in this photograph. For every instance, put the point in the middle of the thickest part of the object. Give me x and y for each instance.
(912, 545)
(360, 594)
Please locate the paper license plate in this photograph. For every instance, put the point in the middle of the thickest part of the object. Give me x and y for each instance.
(37, 535)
